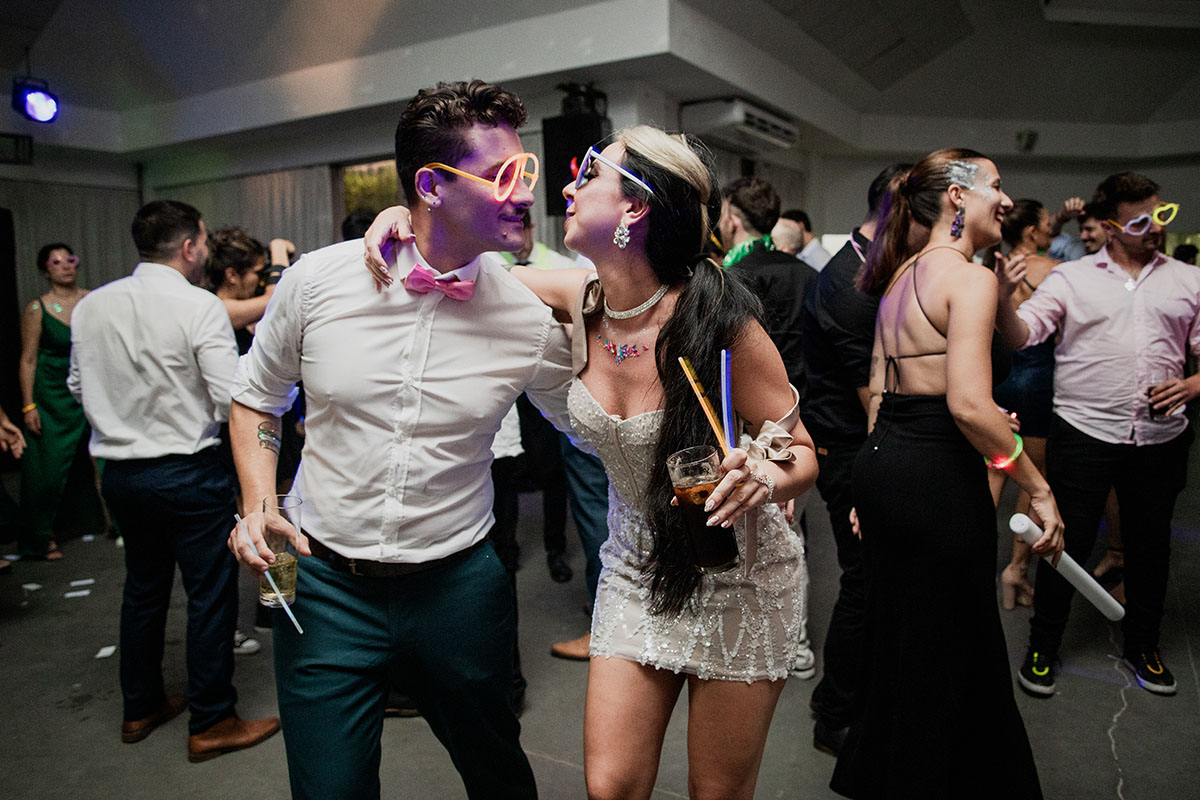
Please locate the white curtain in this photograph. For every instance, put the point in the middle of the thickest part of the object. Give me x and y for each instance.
(93, 221)
(295, 204)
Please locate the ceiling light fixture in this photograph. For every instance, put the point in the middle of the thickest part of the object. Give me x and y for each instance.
(32, 98)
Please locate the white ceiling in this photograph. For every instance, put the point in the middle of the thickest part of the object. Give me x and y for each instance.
(967, 59)
(122, 54)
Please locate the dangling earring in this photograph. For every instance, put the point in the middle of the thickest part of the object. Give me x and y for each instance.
(956, 227)
(621, 236)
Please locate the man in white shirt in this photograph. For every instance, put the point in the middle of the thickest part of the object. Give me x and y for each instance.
(151, 361)
(405, 391)
(811, 252)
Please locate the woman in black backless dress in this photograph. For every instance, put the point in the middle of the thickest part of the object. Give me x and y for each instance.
(937, 714)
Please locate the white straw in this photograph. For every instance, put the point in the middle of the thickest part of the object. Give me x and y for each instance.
(1023, 526)
(270, 580)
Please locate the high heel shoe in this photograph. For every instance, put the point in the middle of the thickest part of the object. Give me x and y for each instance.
(1014, 588)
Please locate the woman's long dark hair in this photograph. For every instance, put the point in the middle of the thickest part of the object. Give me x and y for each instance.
(917, 197)
(711, 314)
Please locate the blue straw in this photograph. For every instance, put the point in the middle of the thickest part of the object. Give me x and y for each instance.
(727, 399)
(270, 580)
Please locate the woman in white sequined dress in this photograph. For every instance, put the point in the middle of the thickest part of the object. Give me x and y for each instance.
(641, 211)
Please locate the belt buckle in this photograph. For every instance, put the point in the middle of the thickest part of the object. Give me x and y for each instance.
(353, 567)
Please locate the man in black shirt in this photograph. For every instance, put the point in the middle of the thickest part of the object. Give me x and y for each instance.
(781, 282)
(837, 330)
(749, 212)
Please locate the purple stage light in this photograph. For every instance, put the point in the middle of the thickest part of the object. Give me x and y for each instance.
(32, 99)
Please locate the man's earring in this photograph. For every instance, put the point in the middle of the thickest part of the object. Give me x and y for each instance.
(621, 236)
(956, 227)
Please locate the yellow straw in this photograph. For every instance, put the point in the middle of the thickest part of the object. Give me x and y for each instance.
(705, 404)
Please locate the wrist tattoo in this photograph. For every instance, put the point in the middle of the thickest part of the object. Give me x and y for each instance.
(268, 437)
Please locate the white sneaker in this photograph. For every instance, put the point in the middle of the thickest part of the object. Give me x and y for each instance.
(806, 663)
(244, 645)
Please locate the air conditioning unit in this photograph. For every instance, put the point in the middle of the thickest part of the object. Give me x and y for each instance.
(738, 126)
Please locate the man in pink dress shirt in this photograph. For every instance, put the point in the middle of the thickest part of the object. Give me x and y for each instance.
(1127, 315)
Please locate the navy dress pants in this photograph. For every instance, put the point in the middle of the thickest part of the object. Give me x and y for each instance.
(176, 510)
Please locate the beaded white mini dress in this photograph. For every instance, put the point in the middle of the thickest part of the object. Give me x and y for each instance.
(743, 624)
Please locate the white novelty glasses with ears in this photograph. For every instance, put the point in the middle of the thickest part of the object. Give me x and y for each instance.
(581, 176)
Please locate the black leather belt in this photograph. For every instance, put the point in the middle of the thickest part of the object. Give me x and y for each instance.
(382, 569)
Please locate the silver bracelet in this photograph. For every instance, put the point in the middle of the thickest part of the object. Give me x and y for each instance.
(765, 480)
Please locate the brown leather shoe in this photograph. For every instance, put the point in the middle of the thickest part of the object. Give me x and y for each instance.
(574, 650)
(138, 729)
(231, 733)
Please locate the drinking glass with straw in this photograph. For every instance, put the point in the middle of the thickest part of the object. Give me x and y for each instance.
(282, 603)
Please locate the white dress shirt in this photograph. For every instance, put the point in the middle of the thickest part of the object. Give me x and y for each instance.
(152, 358)
(814, 254)
(1119, 337)
(404, 394)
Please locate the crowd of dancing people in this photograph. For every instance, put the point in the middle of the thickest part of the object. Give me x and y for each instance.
(959, 340)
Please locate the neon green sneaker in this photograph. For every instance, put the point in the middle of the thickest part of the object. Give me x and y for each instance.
(1036, 675)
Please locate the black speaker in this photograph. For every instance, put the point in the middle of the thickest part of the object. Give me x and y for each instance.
(564, 139)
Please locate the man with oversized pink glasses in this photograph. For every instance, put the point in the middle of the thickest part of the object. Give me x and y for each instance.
(405, 390)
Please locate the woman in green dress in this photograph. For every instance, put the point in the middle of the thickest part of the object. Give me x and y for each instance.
(56, 431)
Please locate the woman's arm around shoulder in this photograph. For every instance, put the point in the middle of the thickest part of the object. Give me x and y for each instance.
(557, 288)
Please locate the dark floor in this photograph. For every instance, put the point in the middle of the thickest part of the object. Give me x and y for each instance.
(1100, 737)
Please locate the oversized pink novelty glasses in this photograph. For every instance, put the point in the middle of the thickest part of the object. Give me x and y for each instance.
(523, 167)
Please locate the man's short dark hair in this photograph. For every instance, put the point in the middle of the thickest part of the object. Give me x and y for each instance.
(756, 201)
(800, 216)
(355, 225)
(1123, 187)
(431, 127)
(1092, 211)
(162, 226)
(879, 187)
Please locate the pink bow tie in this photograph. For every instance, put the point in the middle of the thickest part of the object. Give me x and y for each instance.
(422, 281)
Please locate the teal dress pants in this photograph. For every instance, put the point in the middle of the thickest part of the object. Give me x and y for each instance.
(445, 634)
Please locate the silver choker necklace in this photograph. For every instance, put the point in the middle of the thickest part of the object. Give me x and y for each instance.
(633, 312)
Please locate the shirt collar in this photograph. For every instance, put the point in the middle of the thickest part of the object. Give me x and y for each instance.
(409, 256)
(1102, 259)
(145, 268)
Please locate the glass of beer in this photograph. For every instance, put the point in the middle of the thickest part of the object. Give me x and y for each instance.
(1157, 377)
(281, 510)
(695, 473)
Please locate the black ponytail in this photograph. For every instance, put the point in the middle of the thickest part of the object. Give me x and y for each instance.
(711, 315)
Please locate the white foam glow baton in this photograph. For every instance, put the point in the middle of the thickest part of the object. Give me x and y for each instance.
(1086, 585)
